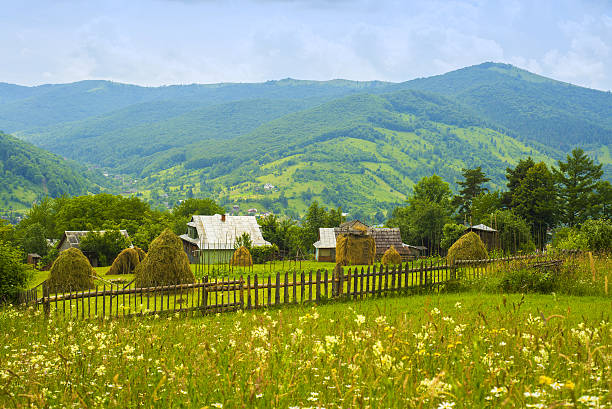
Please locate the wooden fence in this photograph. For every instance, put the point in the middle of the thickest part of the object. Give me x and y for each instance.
(230, 294)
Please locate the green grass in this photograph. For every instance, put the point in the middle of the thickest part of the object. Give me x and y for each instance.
(470, 350)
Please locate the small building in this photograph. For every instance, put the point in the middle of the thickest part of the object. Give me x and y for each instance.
(211, 239)
(325, 247)
(72, 239)
(33, 259)
(487, 234)
(384, 237)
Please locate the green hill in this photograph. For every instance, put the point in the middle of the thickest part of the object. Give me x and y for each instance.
(360, 145)
(28, 173)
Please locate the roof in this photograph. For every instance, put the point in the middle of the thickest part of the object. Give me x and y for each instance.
(387, 237)
(327, 238)
(74, 237)
(215, 234)
(481, 227)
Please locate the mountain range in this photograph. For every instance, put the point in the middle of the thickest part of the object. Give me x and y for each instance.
(279, 145)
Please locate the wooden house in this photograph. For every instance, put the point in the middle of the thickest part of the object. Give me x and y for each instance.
(211, 239)
(33, 259)
(487, 234)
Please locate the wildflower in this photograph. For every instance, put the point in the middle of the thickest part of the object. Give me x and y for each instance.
(458, 305)
(101, 370)
(543, 379)
(216, 405)
(569, 385)
(446, 405)
(360, 319)
(330, 341)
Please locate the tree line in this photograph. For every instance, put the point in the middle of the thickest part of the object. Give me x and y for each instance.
(539, 200)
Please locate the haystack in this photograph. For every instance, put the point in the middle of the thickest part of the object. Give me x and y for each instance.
(125, 263)
(391, 257)
(165, 264)
(467, 247)
(241, 257)
(141, 253)
(71, 271)
(353, 249)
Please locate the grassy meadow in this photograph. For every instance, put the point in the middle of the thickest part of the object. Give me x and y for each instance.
(434, 351)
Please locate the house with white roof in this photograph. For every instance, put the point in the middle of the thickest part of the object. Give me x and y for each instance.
(211, 239)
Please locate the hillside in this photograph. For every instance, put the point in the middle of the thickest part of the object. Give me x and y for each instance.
(360, 145)
(361, 152)
(28, 173)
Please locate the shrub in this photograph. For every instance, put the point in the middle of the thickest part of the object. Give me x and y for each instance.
(391, 257)
(467, 247)
(14, 275)
(261, 254)
(165, 264)
(125, 263)
(598, 234)
(71, 271)
(241, 257)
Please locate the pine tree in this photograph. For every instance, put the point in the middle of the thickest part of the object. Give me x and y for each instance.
(577, 180)
(471, 187)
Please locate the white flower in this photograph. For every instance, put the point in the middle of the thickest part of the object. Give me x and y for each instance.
(446, 405)
(216, 405)
(101, 370)
(360, 319)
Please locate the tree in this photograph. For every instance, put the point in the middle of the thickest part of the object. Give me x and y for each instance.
(183, 212)
(484, 205)
(514, 177)
(277, 232)
(604, 200)
(14, 275)
(34, 240)
(513, 232)
(428, 210)
(471, 187)
(450, 234)
(106, 246)
(577, 180)
(535, 200)
(317, 217)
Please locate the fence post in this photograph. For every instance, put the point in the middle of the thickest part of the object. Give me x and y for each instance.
(46, 301)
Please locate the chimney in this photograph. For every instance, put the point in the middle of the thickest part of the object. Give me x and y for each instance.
(223, 217)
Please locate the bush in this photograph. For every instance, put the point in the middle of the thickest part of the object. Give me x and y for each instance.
(165, 264)
(71, 271)
(391, 257)
(14, 275)
(261, 254)
(598, 234)
(468, 247)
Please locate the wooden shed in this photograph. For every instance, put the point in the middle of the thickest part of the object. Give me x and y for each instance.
(487, 234)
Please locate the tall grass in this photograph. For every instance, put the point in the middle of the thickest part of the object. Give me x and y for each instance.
(458, 350)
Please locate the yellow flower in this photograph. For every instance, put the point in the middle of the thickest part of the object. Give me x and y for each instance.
(569, 385)
(545, 380)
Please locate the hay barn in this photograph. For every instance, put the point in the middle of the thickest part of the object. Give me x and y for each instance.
(213, 237)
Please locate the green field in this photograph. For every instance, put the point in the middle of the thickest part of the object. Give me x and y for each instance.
(467, 350)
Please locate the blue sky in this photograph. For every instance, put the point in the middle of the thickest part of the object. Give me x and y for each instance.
(154, 42)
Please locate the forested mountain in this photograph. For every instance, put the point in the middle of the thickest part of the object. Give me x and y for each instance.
(357, 144)
(28, 173)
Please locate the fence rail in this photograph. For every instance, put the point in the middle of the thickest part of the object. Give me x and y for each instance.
(209, 295)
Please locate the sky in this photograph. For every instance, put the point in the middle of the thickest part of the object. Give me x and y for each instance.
(160, 42)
